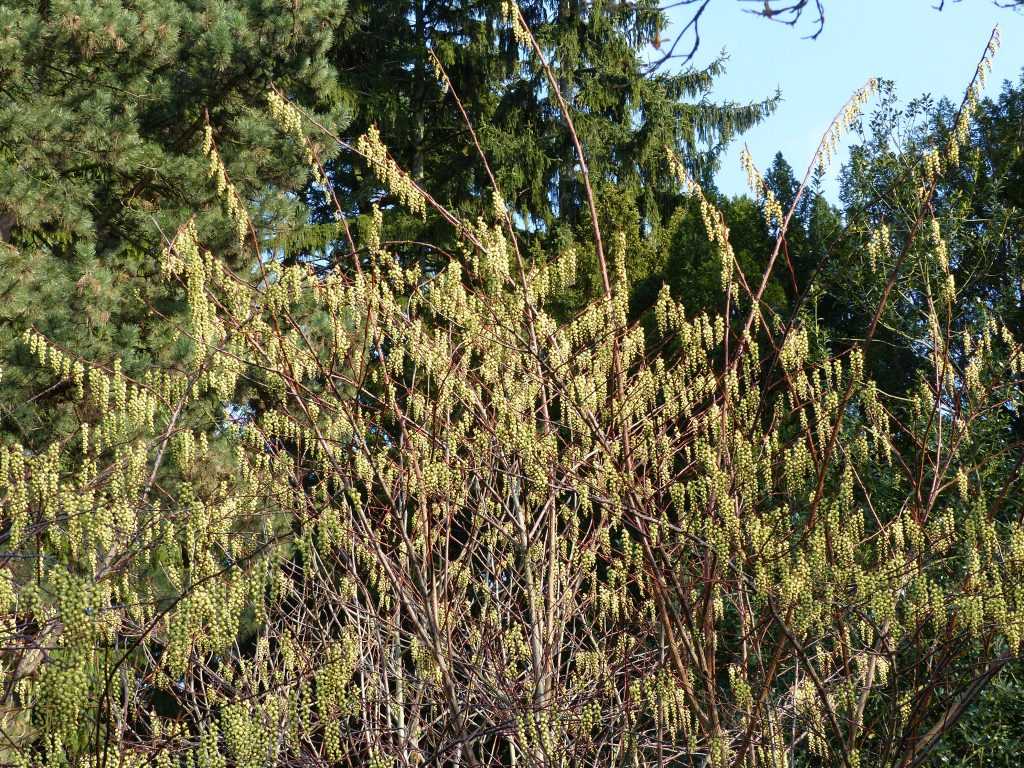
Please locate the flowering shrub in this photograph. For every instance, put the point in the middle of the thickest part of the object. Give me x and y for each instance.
(461, 531)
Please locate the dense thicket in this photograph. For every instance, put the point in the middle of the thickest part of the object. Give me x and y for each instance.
(347, 454)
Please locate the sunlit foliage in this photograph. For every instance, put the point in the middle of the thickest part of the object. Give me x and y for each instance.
(461, 531)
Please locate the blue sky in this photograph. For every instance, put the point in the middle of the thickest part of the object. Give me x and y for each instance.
(907, 41)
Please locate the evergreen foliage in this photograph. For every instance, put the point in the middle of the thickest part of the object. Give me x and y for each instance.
(412, 61)
(104, 102)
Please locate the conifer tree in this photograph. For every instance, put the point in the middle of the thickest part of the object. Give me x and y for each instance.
(103, 104)
(416, 62)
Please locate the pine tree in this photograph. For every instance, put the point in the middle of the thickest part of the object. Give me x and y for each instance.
(103, 110)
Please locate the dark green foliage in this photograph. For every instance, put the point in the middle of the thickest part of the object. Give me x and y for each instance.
(103, 108)
(990, 734)
(625, 115)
